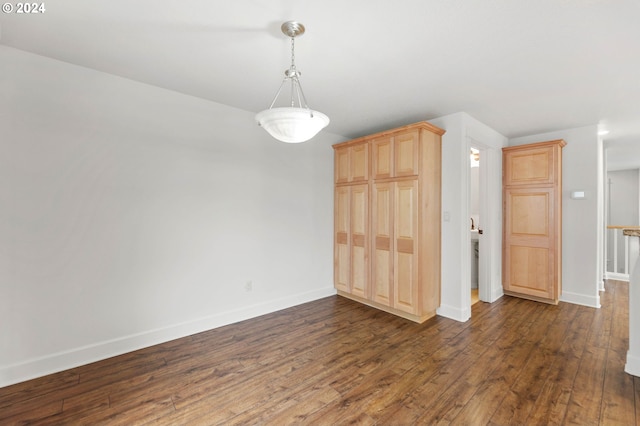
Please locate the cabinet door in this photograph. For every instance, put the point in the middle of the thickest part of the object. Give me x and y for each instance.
(359, 162)
(405, 275)
(359, 225)
(405, 153)
(342, 248)
(382, 233)
(382, 157)
(341, 166)
(530, 247)
(530, 166)
(352, 163)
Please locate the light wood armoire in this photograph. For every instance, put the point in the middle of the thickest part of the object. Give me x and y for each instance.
(387, 220)
(532, 237)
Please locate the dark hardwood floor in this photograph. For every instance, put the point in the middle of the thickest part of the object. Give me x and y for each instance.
(334, 361)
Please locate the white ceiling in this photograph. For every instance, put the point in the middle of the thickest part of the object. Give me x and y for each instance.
(520, 66)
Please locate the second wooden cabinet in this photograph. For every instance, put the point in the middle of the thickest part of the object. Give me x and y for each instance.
(532, 238)
(387, 222)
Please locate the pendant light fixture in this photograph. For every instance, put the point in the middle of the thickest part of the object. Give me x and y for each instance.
(292, 124)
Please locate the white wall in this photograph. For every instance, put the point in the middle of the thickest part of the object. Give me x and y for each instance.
(131, 215)
(581, 219)
(463, 131)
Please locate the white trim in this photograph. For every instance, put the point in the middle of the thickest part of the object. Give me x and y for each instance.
(496, 294)
(490, 262)
(581, 299)
(454, 313)
(633, 365)
(633, 355)
(601, 215)
(614, 276)
(463, 312)
(53, 363)
(601, 285)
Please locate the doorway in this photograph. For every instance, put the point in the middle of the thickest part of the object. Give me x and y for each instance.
(485, 215)
(476, 226)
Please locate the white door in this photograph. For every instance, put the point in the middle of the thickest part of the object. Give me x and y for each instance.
(489, 222)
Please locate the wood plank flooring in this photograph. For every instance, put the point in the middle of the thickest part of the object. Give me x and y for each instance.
(334, 361)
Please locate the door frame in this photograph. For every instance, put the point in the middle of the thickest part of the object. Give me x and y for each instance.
(490, 242)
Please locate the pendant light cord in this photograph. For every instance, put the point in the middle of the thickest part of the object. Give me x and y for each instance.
(296, 88)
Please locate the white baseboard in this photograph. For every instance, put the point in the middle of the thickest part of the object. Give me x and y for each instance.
(454, 313)
(581, 299)
(496, 294)
(38, 367)
(616, 276)
(633, 365)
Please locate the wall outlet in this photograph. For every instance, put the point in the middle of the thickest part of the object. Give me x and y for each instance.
(248, 286)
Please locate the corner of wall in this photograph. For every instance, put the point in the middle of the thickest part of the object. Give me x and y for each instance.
(632, 365)
(497, 293)
(451, 312)
(581, 299)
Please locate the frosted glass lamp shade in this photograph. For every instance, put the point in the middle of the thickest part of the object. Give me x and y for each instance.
(292, 125)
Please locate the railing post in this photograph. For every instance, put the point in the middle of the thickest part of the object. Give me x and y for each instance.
(626, 255)
(615, 250)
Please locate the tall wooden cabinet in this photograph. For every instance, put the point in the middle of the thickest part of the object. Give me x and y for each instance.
(532, 238)
(387, 220)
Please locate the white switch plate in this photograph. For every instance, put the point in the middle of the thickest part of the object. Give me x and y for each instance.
(578, 195)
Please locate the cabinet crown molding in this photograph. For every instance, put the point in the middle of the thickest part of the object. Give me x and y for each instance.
(421, 125)
(559, 142)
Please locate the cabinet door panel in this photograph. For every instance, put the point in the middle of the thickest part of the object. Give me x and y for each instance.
(529, 271)
(342, 249)
(359, 162)
(359, 239)
(528, 167)
(405, 147)
(529, 213)
(529, 242)
(405, 295)
(352, 163)
(382, 158)
(382, 231)
(405, 253)
(341, 166)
